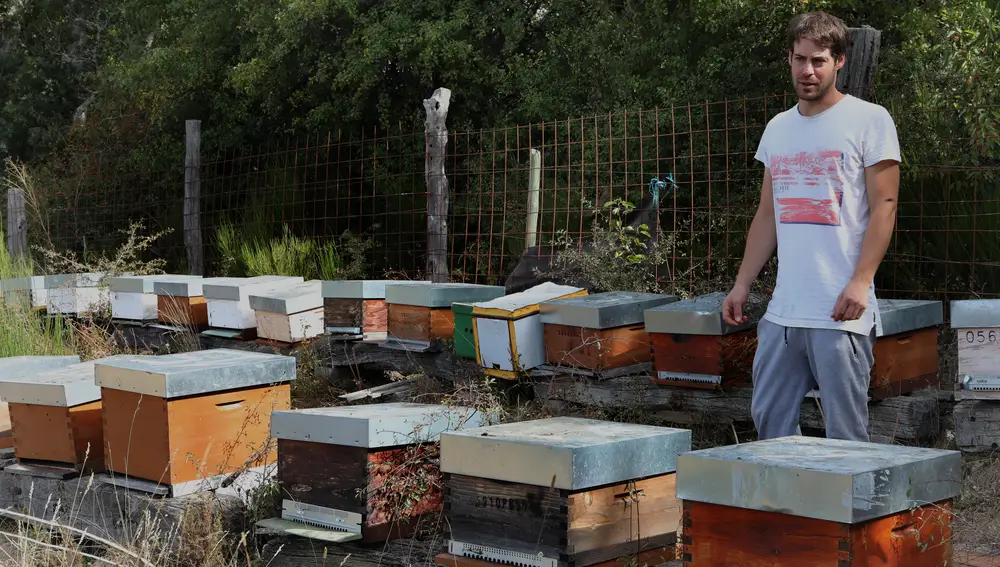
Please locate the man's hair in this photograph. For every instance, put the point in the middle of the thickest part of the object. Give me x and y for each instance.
(825, 30)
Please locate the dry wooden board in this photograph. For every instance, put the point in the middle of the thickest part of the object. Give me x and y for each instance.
(910, 417)
(978, 351)
(290, 328)
(977, 426)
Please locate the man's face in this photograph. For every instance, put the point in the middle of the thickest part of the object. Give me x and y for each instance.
(814, 70)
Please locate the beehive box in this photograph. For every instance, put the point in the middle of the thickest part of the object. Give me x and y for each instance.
(465, 338)
(17, 368)
(356, 307)
(133, 298)
(694, 348)
(289, 313)
(906, 350)
(228, 299)
(600, 331)
(181, 302)
(420, 313)
(352, 469)
(561, 491)
(797, 501)
(180, 421)
(508, 330)
(977, 330)
(75, 294)
(25, 293)
(55, 417)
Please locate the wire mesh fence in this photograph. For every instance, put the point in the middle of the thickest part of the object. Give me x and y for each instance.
(689, 170)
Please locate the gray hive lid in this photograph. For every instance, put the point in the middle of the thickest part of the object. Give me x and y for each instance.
(564, 452)
(73, 280)
(904, 315)
(144, 284)
(975, 313)
(67, 386)
(437, 295)
(360, 289)
(825, 479)
(527, 301)
(602, 310)
(193, 373)
(239, 289)
(22, 284)
(374, 425)
(16, 367)
(701, 315)
(173, 287)
(288, 298)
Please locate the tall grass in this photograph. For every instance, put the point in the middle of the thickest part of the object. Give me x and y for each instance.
(23, 330)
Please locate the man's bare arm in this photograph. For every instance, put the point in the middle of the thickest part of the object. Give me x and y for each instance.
(762, 239)
(882, 180)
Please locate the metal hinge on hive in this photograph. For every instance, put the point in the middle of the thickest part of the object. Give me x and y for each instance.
(981, 383)
(497, 555)
(321, 517)
(689, 377)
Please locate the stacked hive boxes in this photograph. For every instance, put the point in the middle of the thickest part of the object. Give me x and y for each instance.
(421, 315)
(229, 310)
(133, 297)
(289, 313)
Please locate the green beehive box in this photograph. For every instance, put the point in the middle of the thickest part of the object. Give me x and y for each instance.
(465, 342)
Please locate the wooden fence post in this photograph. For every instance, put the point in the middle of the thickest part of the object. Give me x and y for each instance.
(858, 75)
(17, 223)
(192, 199)
(534, 198)
(436, 130)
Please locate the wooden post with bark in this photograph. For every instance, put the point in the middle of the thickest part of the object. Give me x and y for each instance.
(436, 109)
(858, 75)
(192, 199)
(17, 223)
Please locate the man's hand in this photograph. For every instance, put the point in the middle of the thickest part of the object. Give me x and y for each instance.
(732, 307)
(852, 302)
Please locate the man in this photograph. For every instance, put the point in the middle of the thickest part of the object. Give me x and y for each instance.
(828, 204)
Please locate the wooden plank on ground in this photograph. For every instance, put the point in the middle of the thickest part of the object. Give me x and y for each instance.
(907, 418)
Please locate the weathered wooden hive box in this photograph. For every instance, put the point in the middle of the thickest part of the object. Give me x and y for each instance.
(55, 416)
(366, 472)
(180, 421)
(906, 350)
(600, 331)
(133, 297)
(465, 338)
(289, 313)
(229, 299)
(508, 330)
(798, 501)
(17, 368)
(562, 492)
(356, 307)
(977, 328)
(25, 293)
(421, 313)
(181, 302)
(74, 294)
(694, 348)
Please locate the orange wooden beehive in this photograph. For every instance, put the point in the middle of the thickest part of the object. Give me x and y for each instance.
(56, 418)
(356, 307)
(601, 331)
(694, 348)
(420, 313)
(183, 420)
(797, 501)
(181, 302)
(17, 368)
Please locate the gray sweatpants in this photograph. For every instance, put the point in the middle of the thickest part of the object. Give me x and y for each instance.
(792, 361)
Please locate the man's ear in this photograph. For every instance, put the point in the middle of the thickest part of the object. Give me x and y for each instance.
(841, 61)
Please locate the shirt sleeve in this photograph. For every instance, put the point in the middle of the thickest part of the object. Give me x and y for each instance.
(762, 154)
(881, 141)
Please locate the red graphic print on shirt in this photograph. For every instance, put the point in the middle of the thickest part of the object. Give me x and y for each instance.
(809, 187)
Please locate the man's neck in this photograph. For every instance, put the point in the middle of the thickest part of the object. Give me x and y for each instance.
(814, 107)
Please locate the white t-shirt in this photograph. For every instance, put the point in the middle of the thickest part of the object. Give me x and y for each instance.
(821, 212)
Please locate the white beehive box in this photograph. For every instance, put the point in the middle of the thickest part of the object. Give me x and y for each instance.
(133, 298)
(289, 313)
(72, 294)
(229, 299)
(29, 292)
(508, 330)
(977, 328)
